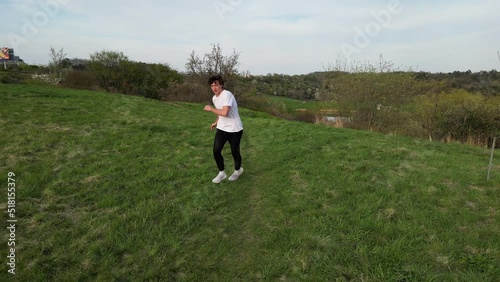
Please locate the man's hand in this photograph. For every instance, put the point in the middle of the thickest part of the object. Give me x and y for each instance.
(208, 108)
(212, 126)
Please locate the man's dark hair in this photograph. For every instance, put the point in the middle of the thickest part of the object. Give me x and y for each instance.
(215, 78)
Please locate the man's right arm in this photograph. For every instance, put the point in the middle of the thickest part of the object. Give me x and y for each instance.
(214, 124)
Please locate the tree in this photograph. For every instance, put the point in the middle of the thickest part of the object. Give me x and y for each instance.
(56, 63)
(108, 69)
(114, 72)
(213, 63)
(150, 80)
(428, 103)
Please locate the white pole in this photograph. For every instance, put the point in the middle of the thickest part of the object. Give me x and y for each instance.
(491, 159)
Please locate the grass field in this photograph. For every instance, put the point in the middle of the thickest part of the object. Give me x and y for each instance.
(118, 188)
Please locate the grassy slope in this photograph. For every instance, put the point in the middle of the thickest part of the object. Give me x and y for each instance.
(115, 187)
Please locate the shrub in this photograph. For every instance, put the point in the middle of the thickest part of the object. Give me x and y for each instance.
(375, 101)
(114, 72)
(186, 92)
(262, 104)
(459, 115)
(11, 77)
(79, 79)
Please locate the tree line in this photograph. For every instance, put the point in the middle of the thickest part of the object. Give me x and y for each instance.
(458, 106)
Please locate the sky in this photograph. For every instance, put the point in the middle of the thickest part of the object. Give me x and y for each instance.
(283, 37)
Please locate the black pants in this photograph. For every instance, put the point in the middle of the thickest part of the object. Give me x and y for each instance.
(234, 138)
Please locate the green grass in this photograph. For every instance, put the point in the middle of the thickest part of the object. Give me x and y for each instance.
(118, 188)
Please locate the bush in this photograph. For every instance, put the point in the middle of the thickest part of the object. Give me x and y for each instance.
(186, 92)
(459, 115)
(79, 79)
(375, 101)
(262, 104)
(308, 116)
(114, 72)
(10, 77)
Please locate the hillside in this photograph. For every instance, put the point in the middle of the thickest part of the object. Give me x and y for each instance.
(112, 187)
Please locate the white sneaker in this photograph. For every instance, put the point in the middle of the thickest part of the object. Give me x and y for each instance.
(221, 176)
(236, 174)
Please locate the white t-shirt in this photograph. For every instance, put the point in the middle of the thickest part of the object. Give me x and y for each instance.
(231, 123)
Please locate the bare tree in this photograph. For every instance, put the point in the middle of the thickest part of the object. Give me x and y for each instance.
(213, 63)
(56, 62)
(347, 66)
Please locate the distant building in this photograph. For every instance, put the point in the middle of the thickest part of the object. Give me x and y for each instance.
(7, 54)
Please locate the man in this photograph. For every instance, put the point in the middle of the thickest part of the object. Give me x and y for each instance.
(229, 127)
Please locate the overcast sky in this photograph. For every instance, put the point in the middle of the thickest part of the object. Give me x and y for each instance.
(285, 37)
